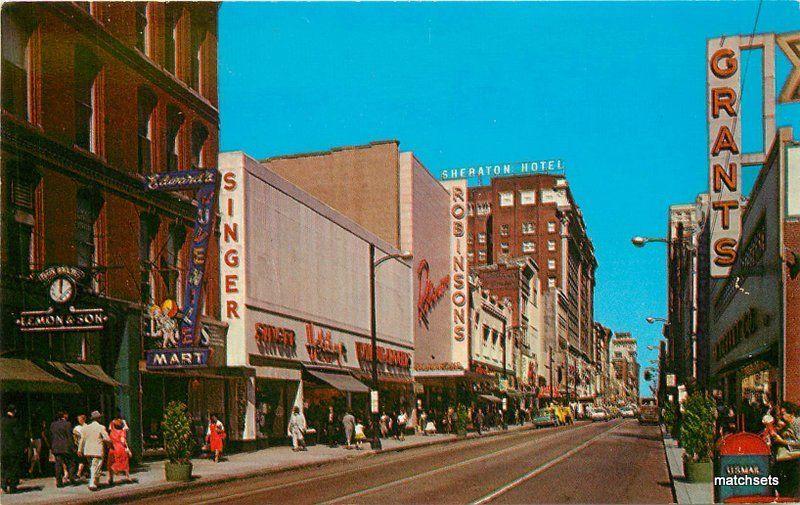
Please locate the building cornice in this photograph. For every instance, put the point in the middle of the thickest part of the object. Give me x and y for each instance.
(23, 139)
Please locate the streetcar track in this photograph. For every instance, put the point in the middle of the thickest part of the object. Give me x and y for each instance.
(305, 480)
(459, 464)
(542, 468)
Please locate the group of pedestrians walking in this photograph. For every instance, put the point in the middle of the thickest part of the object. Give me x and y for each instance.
(73, 450)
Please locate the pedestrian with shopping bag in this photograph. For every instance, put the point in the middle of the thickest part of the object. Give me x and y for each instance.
(215, 435)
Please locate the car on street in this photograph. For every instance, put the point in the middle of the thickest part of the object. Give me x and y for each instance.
(546, 417)
(598, 414)
(628, 412)
(648, 414)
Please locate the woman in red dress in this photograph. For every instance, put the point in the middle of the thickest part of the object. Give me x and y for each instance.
(214, 437)
(119, 453)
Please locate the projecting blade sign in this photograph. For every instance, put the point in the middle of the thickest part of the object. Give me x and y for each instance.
(187, 348)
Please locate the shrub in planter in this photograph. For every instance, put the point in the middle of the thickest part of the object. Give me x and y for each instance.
(670, 418)
(178, 443)
(462, 419)
(697, 437)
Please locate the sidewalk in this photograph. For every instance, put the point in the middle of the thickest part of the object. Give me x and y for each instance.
(149, 478)
(685, 492)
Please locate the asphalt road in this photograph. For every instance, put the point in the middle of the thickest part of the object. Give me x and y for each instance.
(606, 462)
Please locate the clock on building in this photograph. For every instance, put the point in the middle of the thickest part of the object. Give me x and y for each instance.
(62, 289)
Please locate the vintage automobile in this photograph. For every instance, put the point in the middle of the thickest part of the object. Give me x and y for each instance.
(628, 412)
(546, 417)
(648, 414)
(598, 414)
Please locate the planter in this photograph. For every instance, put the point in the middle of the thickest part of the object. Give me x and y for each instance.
(178, 472)
(702, 471)
(461, 433)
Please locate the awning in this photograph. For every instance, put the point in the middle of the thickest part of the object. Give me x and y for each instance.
(94, 372)
(21, 375)
(491, 398)
(341, 381)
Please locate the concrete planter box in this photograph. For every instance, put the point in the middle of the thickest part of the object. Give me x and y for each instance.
(698, 471)
(178, 472)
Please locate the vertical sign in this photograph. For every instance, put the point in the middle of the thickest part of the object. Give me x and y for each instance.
(458, 270)
(232, 256)
(205, 181)
(724, 154)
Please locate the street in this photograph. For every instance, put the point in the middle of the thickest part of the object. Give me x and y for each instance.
(606, 462)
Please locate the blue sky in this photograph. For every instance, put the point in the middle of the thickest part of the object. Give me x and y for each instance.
(616, 90)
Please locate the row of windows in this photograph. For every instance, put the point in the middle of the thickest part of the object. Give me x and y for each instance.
(88, 101)
(526, 197)
(528, 228)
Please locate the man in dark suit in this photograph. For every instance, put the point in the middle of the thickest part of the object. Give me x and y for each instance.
(63, 446)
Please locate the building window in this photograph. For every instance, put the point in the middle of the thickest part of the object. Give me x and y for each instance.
(482, 255)
(528, 246)
(174, 123)
(470, 256)
(551, 264)
(21, 221)
(142, 31)
(170, 267)
(507, 199)
(504, 230)
(88, 233)
(144, 132)
(527, 197)
(551, 245)
(528, 228)
(16, 66)
(481, 238)
(198, 37)
(148, 227)
(87, 94)
(171, 37)
(504, 247)
(551, 227)
(551, 282)
(199, 136)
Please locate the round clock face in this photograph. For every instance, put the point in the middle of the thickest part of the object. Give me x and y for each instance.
(62, 290)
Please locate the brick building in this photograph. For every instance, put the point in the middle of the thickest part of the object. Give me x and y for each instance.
(624, 355)
(95, 97)
(536, 216)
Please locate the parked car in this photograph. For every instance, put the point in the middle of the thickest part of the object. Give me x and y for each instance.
(546, 417)
(598, 414)
(628, 412)
(648, 414)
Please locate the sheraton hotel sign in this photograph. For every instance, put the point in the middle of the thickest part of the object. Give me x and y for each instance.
(503, 169)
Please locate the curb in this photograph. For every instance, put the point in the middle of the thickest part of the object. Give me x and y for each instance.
(169, 488)
(666, 461)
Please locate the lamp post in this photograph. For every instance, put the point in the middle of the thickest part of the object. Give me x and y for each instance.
(373, 333)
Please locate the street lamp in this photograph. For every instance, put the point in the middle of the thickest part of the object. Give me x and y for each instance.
(373, 264)
(641, 241)
(652, 320)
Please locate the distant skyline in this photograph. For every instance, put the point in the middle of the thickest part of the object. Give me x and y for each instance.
(615, 90)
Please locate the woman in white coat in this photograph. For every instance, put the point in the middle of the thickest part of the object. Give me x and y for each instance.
(297, 429)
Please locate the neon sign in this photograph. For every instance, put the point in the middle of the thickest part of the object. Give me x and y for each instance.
(429, 294)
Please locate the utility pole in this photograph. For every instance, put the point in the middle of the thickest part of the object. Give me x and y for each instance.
(376, 440)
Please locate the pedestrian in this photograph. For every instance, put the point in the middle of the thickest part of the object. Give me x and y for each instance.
(478, 421)
(35, 444)
(330, 427)
(423, 422)
(119, 454)
(386, 423)
(402, 420)
(297, 429)
(349, 425)
(215, 435)
(76, 437)
(94, 437)
(360, 435)
(63, 447)
(12, 450)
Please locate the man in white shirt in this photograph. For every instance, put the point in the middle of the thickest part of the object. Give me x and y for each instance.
(93, 439)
